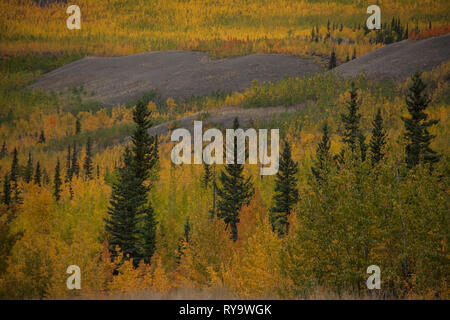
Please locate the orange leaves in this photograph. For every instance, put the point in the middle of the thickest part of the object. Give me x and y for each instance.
(428, 33)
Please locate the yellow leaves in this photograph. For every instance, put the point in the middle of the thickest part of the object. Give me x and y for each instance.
(171, 105)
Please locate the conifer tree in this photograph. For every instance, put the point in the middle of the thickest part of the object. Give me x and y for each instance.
(378, 139)
(321, 168)
(350, 120)
(87, 166)
(286, 193)
(418, 149)
(207, 175)
(332, 62)
(75, 167)
(234, 191)
(362, 145)
(4, 151)
(57, 181)
(6, 190)
(37, 175)
(14, 177)
(29, 169)
(131, 221)
(42, 137)
(122, 223)
(354, 54)
(78, 126)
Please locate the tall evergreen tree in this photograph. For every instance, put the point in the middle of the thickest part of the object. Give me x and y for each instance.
(14, 177)
(57, 181)
(87, 166)
(38, 174)
(322, 163)
(362, 145)
(207, 175)
(78, 126)
(354, 54)
(29, 169)
(350, 120)
(42, 137)
(6, 190)
(418, 149)
(14, 174)
(378, 139)
(75, 167)
(122, 222)
(131, 223)
(332, 63)
(286, 193)
(234, 190)
(3, 151)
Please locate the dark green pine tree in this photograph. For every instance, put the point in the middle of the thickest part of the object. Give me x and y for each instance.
(418, 138)
(57, 182)
(78, 126)
(122, 223)
(332, 63)
(38, 174)
(354, 54)
(14, 177)
(322, 163)
(207, 175)
(234, 190)
(68, 165)
(187, 230)
(286, 193)
(29, 169)
(350, 120)
(87, 166)
(362, 145)
(14, 174)
(4, 151)
(74, 167)
(131, 224)
(42, 137)
(6, 197)
(378, 139)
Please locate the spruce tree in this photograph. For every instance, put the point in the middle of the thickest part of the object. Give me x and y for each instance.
(350, 120)
(418, 149)
(207, 175)
(75, 167)
(14, 174)
(42, 137)
(354, 54)
(78, 126)
(6, 190)
(378, 139)
(332, 62)
(29, 169)
(234, 191)
(122, 222)
(286, 193)
(87, 166)
(362, 145)
(57, 181)
(131, 221)
(4, 151)
(321, 167)
(14, 177)
(38, 174)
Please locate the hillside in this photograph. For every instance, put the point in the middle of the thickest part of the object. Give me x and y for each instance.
(176, 74)
(400, 60)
